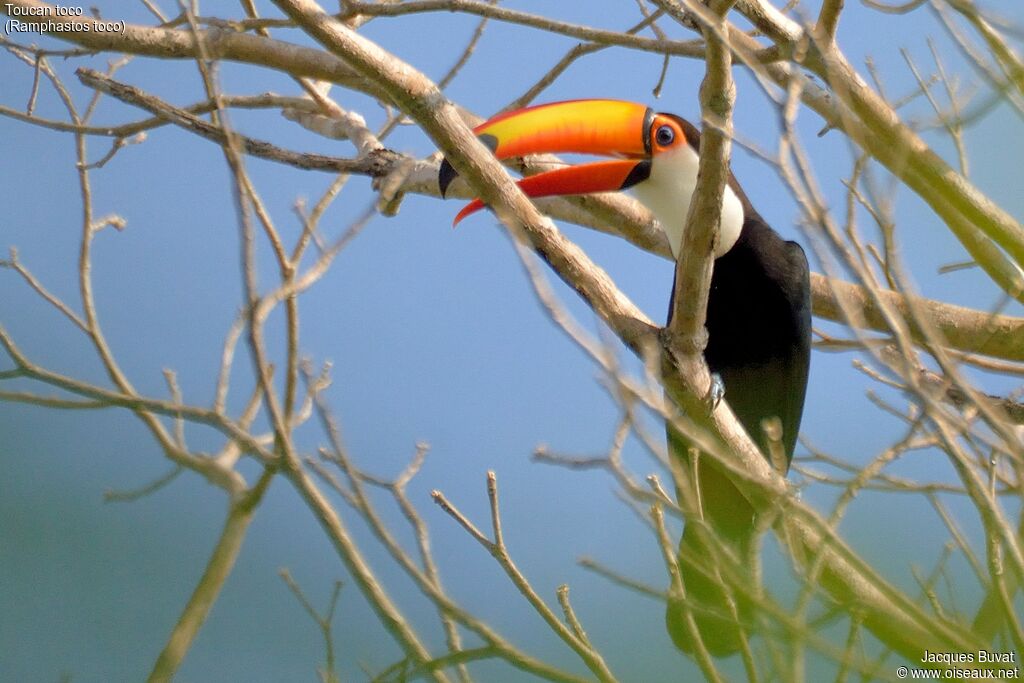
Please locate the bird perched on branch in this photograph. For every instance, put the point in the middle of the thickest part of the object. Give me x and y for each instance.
(758, 316)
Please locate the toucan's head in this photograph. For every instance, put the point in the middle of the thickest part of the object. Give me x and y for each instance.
(658, 159)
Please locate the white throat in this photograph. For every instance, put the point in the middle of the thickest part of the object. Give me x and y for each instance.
(667, 192)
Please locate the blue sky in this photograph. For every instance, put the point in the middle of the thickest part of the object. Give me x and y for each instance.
(435, 335)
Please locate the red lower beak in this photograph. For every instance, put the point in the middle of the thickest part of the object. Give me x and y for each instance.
(600, 176)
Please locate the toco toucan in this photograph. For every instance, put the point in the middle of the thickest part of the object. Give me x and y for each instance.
(758, 314)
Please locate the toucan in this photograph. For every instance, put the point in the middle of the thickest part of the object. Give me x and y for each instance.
(758, 313)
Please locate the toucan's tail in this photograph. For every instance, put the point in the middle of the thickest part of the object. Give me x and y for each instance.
(720, 614)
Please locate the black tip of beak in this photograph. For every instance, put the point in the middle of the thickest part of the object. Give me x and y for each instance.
(445, 176)
(447, 172)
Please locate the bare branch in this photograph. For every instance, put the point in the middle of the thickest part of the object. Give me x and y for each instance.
(218, 568)
(329, 674)
(693, 269)
(373, 163)
(572, 637)
(483, 9)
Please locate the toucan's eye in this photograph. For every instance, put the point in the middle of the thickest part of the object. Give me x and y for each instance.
(665, 136)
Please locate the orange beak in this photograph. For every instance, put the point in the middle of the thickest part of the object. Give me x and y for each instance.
(606, 127)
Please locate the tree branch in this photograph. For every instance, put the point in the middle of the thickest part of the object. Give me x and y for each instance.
(218, 569)
(375, 163)
(693, 269)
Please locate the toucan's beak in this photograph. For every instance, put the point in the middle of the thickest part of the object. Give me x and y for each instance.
(605, 127)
